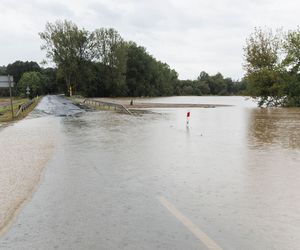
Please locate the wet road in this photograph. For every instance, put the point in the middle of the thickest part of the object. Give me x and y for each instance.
(57, 106)
(147, 182)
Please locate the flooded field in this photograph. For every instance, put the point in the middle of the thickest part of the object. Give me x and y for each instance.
(234, 173)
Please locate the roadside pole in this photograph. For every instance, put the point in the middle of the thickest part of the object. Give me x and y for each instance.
(188, 118)
(11, 101)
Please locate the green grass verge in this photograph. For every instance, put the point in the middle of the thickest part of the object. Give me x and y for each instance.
(5, 111)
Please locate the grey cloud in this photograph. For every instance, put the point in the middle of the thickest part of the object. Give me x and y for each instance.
(52, 8)
(191, 35)
(37, 8)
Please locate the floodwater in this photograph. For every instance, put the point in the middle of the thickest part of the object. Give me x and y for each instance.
(58, 106)
(234, 173)
(25, 148)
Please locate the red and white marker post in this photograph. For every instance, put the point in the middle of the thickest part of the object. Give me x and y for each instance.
(188, 118)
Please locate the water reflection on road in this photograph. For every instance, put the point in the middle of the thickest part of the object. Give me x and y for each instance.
(234, 172)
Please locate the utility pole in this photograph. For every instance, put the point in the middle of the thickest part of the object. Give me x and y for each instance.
(11, 101)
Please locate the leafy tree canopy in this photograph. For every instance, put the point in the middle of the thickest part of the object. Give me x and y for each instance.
(272, 64)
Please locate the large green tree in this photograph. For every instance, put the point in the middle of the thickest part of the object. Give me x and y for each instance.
(146, 76)
(272, 64)
(50, 81)
(291, 46)
(138, 70)
(291, 61)
(109, 49)
(68, 47)
(18, 68)
(33, 80)
(264, 72)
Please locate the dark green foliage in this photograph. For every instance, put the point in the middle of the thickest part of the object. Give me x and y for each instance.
(3, 70)
(17, 69)
(268, 86)
(33, 80)
(291, 46)
(140, 71)
(67, 46)
(272, 68)
(94, 80)
(109, 49)
(209, 85)
(292, 90)
(49, 81)
(101, 63)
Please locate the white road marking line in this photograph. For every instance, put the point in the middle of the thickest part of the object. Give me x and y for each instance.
(199, 234)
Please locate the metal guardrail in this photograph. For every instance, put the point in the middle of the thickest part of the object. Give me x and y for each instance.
(107, 104)
(24, 107)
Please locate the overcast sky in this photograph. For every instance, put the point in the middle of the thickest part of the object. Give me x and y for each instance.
(189, 35)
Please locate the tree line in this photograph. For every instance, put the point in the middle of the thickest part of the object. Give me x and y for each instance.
(101, 63)
(40, 80)
(206, 84)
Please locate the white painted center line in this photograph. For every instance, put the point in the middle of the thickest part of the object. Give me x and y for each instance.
(199, 234)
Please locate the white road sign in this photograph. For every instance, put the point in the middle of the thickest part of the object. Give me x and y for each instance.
(4, 81)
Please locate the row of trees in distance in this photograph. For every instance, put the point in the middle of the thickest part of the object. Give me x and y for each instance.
(40, 80)
(102, 63)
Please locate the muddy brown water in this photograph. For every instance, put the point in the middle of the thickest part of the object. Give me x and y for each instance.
(234, 172)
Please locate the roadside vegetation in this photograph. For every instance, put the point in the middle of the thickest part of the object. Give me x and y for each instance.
(5, 109)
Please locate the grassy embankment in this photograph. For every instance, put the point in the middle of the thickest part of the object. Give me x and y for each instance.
(5, 109)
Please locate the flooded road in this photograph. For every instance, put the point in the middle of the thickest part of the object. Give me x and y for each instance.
(25, 148)
(57, 106)
(148, 182)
